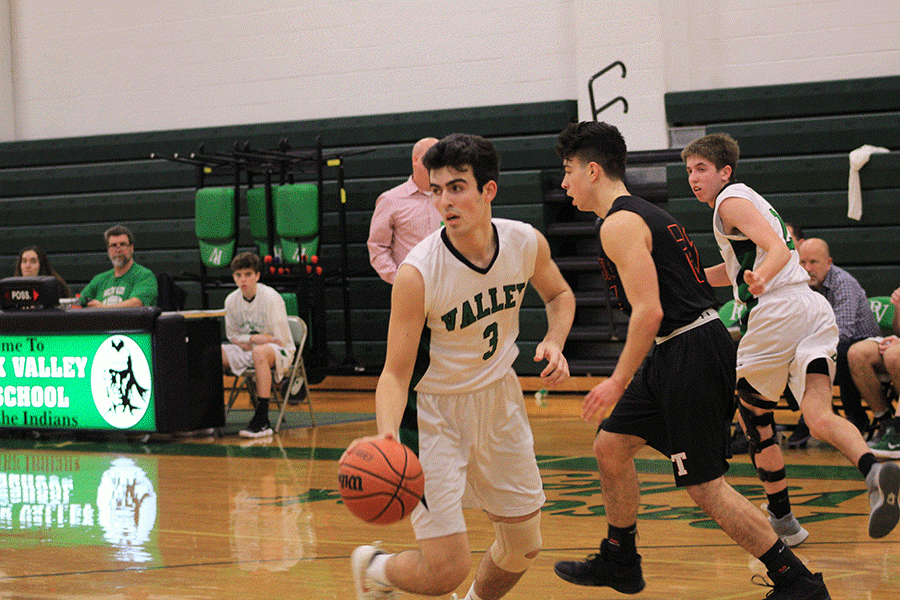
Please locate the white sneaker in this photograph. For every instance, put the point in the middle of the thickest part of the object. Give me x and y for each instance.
(366, 587)
(788, 528)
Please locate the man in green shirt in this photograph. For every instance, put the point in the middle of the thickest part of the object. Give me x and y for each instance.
(127, 283)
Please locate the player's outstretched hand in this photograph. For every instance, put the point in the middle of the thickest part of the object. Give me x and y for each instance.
(755, 283)
(600, 400)
(368, 438)
(557, 369)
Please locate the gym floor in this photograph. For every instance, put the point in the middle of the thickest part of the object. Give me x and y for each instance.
(224, 517)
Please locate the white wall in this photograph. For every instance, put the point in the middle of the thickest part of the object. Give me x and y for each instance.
(107, 66)
(7, 116)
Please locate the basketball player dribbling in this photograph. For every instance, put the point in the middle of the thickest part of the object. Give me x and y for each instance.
(680, 400)
(456, 299)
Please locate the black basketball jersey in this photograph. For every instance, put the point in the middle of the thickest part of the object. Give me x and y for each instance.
(683, 289)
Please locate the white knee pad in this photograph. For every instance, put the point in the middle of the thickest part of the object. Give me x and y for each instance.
(515, 541)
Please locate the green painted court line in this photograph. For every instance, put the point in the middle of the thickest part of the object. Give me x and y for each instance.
(546, 462)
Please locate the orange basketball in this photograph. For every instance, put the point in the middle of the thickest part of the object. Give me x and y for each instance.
(381, 481)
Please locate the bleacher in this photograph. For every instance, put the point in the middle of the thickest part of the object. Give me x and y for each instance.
(63, 193)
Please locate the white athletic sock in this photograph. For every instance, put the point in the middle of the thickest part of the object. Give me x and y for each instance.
(472, 595)
(377, 571)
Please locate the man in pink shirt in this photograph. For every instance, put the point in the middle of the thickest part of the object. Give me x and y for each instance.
(403, 216)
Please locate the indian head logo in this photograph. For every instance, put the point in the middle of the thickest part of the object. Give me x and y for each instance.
(120, 381)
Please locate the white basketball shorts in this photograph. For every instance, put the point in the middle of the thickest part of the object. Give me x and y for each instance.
(482, 439)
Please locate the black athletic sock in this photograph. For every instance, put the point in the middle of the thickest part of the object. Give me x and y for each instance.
(866, 462)
(779, 503)
(780, 560)
(622, 544)
(262, 407)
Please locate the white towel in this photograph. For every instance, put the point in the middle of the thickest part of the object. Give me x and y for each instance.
(858, 158)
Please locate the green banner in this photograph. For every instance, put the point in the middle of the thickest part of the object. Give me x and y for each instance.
(77, 381)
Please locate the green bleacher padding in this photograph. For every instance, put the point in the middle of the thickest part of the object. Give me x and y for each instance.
(792, 100)
(884, 313)
(214, 225)
(510, 119)
(816, 135)
(800, 173)
(297, 220)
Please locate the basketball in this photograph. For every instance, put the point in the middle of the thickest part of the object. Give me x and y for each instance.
(381, 481)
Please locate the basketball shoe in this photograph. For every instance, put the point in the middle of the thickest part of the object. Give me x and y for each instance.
(805, 587)
(258, 427)
(366, 587)
(889, 444)
(883, 482)
(599, 570)
(788, 528)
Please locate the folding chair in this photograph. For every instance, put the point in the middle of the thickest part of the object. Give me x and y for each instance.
(292, 385)
(296, 380)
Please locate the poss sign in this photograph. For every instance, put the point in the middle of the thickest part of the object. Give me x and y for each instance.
(77, 381)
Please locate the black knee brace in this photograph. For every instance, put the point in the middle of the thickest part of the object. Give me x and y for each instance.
(755, 443)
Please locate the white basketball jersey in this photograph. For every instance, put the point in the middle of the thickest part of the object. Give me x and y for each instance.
(471, 314)
(741, 253)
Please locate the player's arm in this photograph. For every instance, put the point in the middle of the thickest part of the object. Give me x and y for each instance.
(717, 276)
(739, 214)
(404, 331)
(628, 243)
(559, 302)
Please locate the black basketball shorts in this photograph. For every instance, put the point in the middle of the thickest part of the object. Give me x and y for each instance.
(681, 401)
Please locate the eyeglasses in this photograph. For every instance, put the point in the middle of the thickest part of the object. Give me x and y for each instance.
(118, 245)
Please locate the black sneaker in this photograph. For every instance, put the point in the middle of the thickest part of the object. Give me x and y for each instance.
(805, 587)
(800, 436)
(259, 427)
(598, 570)
(297, 394)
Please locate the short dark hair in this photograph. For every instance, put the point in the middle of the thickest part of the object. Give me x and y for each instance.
(798, 233)
(118, 230)
(595, 141)
(461, 151)
(718, 148)
(245, 260)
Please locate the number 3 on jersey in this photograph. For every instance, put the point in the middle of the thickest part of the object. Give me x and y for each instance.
(490, 334)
